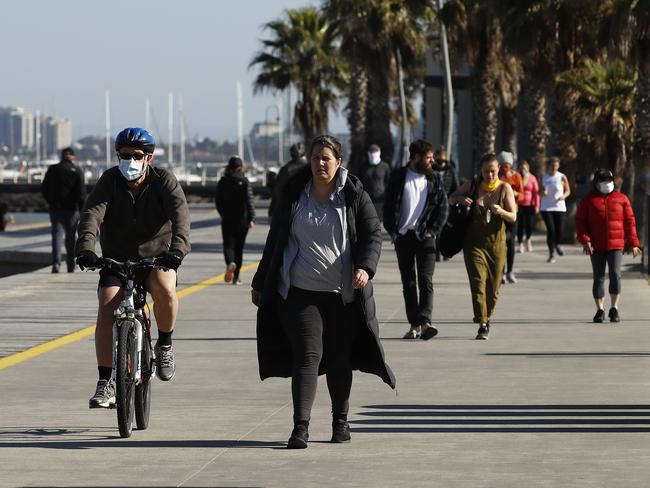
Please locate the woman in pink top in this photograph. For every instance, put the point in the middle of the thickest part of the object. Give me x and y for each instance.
(528, 207)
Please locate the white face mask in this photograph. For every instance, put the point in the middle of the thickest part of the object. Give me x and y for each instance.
(374, 158)
(131, 169)
(605, 187)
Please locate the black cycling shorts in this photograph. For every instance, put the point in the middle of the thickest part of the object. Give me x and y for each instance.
(109, 278)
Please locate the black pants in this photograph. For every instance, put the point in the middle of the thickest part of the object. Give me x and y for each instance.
(320, 327)
(64, 226)
(525, 220)
(413, 254)
(613, 261)
(234, 237)
(511, 230)
(554, 222)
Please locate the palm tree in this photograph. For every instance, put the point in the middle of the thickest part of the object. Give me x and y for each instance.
(509, 77)
(303, 53)
(602, 98)
(475, 37)
(628, 24)
(372, 32)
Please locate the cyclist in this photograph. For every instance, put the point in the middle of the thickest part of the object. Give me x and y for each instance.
(141, 212)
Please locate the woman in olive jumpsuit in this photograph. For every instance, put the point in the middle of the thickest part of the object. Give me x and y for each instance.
(485, 239)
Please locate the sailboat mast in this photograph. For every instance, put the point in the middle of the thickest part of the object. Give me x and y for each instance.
(107, 109)
(170, 156)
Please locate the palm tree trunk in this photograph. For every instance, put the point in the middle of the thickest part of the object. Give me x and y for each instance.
(356, 115)
(378, 109)
(509, 128)
(642, 135)
(484, 94)
(537, 131)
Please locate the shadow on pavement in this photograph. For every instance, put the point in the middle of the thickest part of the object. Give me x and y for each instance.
(550, 418)
(622, 354)
(148, 444)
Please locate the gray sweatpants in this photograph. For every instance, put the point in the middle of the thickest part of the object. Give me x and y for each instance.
(611, 259)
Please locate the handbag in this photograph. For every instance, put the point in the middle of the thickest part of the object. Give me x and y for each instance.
(452, 236)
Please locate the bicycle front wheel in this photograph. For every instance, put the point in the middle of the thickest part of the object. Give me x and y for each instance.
(125, 376)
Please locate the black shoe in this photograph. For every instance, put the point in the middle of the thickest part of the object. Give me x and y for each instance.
(429, 331)
(55, 269)
(104, 396)
(299, 438)
(613, 315)
(559, 251)
(600, 316)
(483, 332)
(340, 431)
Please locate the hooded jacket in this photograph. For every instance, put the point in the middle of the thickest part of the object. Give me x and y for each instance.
(607, 221)
(234, 199)
(364, 235)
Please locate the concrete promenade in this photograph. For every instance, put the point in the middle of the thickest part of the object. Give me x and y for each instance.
(551, 400)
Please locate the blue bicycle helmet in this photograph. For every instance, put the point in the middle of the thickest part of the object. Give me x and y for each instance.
(135, 137)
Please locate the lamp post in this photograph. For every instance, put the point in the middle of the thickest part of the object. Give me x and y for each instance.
(266, 129)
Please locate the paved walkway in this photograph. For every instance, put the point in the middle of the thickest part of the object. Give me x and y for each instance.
(551, 400)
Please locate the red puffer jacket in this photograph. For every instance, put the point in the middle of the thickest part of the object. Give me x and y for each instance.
(607, 221)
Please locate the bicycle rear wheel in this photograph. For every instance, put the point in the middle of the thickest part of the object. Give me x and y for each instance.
(125, 376)
(143, 390)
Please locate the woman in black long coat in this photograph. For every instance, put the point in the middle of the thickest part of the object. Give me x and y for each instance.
(316, 309)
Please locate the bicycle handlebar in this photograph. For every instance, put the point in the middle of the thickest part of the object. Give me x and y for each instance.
(128, 267)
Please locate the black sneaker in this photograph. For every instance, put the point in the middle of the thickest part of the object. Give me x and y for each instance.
(483, 332)
(429, 331)
(559, 251)
(613, 315)
(104, 396)
(340, 432)
(299, 437)
(599, 317)
(165, 364)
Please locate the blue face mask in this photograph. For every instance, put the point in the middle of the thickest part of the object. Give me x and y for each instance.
(131, 169)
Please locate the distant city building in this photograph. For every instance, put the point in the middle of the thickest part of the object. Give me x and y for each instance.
(264, 129)
(19, 133)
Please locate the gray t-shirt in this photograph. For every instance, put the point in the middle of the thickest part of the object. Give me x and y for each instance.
(318, 265)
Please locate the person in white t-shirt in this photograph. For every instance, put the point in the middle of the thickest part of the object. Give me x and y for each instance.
(555, 190)
(415, 210)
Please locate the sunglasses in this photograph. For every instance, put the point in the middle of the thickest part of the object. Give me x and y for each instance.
(136, 156)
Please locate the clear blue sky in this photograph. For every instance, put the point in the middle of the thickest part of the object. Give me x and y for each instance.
(60, 57)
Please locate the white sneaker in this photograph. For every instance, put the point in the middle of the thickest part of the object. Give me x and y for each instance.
(511, 277)
(522, 249)
(529, 245)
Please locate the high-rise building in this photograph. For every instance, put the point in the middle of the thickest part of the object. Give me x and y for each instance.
(18, 131)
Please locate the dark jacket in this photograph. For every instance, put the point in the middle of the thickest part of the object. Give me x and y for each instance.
(133, 227)
(284, 175)
(375, 180)
(234, 199)
(434, 215)
(447, 173)
(364, 234)
(63, 187)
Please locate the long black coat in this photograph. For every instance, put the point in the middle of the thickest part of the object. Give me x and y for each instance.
(364, 234)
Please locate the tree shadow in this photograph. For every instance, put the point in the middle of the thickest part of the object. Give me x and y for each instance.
(545, 418)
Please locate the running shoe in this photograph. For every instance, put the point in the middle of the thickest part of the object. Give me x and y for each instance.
(104, 396)
(613, 315)
(529, 245)
(230, 273)
(165, 364)
(412, 333)
(483, 332)
(503, 279)
(511, 277)
(551, 258)
(340, 431)
(299, 438)
(600, 316)
(559, 251)
(236, 282)
(522, 248)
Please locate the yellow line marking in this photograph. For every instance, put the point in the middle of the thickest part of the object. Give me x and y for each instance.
(19, 227)
(34, 351)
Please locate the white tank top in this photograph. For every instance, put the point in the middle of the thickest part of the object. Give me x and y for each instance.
(551, 202)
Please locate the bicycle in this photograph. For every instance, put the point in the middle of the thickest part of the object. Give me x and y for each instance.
(133, 356)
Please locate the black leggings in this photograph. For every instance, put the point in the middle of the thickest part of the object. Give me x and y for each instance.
(613, 261)
(234, 237)
(553, 221)
(319, 326)
(525, 221)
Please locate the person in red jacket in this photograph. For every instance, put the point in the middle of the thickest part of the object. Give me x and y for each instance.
(605, 224)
